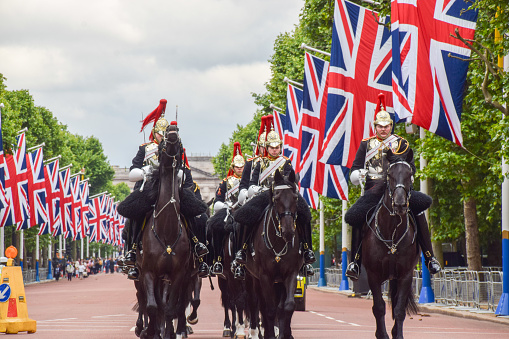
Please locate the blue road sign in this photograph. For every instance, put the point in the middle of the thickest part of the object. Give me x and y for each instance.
(5, 292)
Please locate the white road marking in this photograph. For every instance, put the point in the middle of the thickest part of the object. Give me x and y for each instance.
(339, 321)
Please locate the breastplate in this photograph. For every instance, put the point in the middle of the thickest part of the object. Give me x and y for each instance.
(230, 183)
(151, 148)
(266, 163)
(378, 164)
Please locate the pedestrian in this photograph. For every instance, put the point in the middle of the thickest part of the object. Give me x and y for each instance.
(112, 265)
(81, 270)
(56, 272)
(70, 270)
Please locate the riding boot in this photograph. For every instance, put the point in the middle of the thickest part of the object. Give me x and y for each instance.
(308, 270)
(424, 240)
(246, 233)
(130, 259)
(307, 243)
(353, 270)
(193, 232)
(203, 269)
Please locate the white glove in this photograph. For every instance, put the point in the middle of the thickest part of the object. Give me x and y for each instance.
(218, 205)
(229, 204)
(358, 176)
(253, 190)
(242, 196)
(136, 174)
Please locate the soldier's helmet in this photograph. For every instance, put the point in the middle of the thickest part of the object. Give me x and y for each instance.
(273, 139)
(238, 159)
(382, 117)
(261, 140)
(160, 127)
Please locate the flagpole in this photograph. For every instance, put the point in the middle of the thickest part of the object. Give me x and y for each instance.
(345, 236)
(60, 246)
(88, 249)
(82, 247)
(427, 295)
(288, 81)
(2, 244)
(309, 48)
(275, 107)
(21, 245)
(322, 282)
(36, 147)
(52, 159)
(503, 304)
(37, 258)
(50, 270)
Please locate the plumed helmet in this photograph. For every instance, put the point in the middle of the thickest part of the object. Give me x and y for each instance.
(160, 127)
(273, 139)
(238, 159)
(382, 117)
(261, 140)
(156, 116)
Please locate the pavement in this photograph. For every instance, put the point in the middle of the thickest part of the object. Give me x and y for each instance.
(455, 311)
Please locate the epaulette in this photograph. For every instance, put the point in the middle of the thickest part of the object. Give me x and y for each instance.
(374, 136)
(145, 144)
(197, 187)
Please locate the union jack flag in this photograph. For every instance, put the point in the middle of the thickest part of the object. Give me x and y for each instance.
(52, 180)
(360, 69)
(327, 180)
(76, 208)
(106, 226)
(96, 217)
(427, 83)
(3, 198)
(84, 193)
(291, 142)
(67, 228)
(37, 189)
(17, 210)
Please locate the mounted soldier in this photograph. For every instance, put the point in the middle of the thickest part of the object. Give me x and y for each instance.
(369, 169)
(140, 202)
(261, 180)
(221, 223)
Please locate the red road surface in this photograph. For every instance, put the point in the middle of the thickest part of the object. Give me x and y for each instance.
(100, 307)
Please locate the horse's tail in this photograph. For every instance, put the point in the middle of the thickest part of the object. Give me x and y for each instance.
(411, 305)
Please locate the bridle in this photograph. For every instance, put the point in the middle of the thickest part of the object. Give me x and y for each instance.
(391, 192)
(284, 214)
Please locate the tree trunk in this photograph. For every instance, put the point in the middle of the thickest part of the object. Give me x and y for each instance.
(44, 261)
(472, 235)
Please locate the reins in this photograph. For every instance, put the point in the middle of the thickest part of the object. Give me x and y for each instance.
(376, 231)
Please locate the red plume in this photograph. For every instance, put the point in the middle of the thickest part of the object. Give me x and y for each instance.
(184, 159)
(155, 114)
(262, 129)
(236, 151)
(381, 104)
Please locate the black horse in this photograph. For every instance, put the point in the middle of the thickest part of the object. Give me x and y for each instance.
(166, 263)
(390, 250)
(277, 260)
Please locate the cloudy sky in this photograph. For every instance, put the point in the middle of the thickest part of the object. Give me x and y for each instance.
(99, 65)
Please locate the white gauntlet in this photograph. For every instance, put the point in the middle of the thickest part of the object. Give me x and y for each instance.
(242, 196)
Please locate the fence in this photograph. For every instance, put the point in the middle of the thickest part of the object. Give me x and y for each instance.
(452, 286)
(29, 275)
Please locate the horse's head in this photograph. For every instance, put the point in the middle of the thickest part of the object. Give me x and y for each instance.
(170, 148)
(399, 183)
(284, 199)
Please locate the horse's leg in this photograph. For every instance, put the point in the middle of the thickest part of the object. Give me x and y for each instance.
(151, 306)
(288, 298)
(401, 294)
(223, 287)
(268, 304)
(252, 307)
(378, 308)
(184, 298)
(195, 302)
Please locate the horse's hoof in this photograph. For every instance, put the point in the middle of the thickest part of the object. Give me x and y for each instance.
(137, 331)
(189, 330)
(240, 336)
(192, 321)
(227, 333)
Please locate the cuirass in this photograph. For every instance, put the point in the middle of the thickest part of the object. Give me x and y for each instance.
(151, 148)
(378, 163)
(266, 163)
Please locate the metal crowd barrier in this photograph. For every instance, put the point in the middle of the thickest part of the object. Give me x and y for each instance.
(452, 286)
(29, 275)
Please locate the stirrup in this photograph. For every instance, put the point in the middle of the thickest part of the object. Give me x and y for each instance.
(133, 274)
(353, 271)
(217, 268)
(200, 249)
(240, 273)
(309, 256)
(203, 270)
(130, 258)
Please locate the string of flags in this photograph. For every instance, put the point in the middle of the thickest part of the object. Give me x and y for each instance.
(38, 193)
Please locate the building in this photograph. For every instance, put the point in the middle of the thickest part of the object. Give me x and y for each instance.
(201, 168)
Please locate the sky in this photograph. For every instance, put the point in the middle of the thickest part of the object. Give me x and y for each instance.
(101, 65)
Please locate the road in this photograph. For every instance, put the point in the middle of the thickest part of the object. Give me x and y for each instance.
(100, 307)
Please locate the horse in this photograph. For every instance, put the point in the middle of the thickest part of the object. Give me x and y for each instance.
(166, 262)
(277, 259)
(390, 250)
